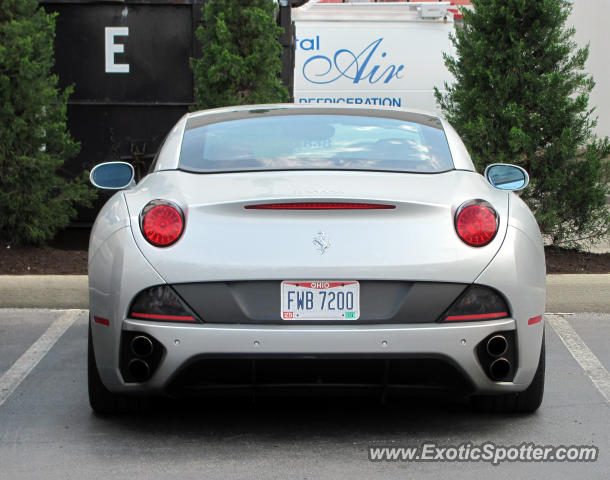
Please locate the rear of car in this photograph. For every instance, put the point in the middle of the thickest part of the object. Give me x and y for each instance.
(288, 247)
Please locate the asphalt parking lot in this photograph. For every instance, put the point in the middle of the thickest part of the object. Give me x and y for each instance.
(47, 429)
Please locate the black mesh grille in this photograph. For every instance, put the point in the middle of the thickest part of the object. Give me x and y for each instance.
(206, 374)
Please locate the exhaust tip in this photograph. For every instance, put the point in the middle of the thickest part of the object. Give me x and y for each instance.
(138, 369)
(499, 369)
(497, 345)
(141, 346)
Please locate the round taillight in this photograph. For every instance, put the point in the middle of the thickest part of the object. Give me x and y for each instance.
(162, 223)
(476, 223)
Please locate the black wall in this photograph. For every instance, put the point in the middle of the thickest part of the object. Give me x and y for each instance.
(119, 115)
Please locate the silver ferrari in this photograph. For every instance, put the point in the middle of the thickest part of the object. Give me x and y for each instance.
(304, 248)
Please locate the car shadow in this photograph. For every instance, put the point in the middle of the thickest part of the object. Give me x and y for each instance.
(285, 418)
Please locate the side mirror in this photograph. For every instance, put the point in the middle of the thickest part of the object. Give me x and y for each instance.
(112, 175)
(507, 177)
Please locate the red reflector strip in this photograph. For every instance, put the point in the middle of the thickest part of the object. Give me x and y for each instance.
(102, 321)
(152, 316)
(320, 206)
(480, 316)
(534, 320)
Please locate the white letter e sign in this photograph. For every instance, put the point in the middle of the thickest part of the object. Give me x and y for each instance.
(112, 48)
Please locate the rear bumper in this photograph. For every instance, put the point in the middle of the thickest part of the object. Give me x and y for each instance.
(184, 344)
(118, 272)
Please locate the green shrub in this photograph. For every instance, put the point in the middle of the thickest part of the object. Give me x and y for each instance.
(240, 63)
(521, 96)
(35, 201)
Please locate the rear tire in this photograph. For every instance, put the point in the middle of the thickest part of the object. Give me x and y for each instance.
(527, 401)
(102, 400)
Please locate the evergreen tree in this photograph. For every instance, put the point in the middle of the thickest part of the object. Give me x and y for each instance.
(35, 201)
(521, 96)
(240, 64)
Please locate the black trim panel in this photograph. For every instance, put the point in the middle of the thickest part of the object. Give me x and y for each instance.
(258, 302)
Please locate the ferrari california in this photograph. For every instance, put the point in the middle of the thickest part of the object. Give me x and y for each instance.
(297, 249)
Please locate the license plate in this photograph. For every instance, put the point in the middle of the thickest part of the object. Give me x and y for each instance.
(320, 300)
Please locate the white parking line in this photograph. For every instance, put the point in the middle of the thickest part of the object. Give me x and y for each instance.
(13, 377)
(582, 354)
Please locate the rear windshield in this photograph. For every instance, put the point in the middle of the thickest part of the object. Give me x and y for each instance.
(306, 142)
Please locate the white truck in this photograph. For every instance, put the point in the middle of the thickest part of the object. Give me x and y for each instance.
(378, 54)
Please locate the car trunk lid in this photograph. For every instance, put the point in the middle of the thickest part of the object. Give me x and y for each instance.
(226, 239)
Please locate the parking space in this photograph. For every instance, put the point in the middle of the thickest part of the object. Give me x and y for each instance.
(589, 326)
(47, 429)
(19, 329)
